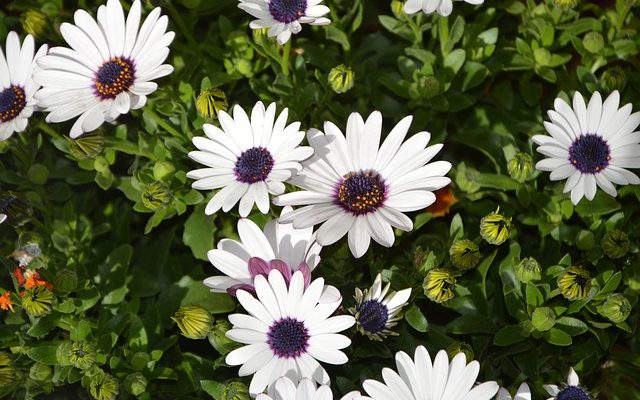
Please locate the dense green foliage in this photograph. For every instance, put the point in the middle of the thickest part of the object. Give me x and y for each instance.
(124, 237)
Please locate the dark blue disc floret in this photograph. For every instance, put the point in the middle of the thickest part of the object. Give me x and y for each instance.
(12, 102)
(361, 192)
(288, 338)
(589, 153)
(287, 11)
(254, 165)
(372, 316)
(114, 77)
(572, 393)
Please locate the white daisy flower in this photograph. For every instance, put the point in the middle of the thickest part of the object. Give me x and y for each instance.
(377, 309)
(285, 389)
(420, 379)
(17, 86)
(284, 17)
(287, 332)
(361, 188)
(524, 393)
(109, 68)
(570, 391)
(248, 159)
(591, 146)
(442, 7)
(278, 242)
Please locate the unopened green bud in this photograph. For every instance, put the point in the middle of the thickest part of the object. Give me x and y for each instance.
(82, 355)
(615, 244)
(613, 79)
(37, 301)
(7, 370)
(210, 102)
(616, 308)
(34, 22)
(465, 254)
(135, 383)
(567, 3)
(218, 338)
(235, 391)
(66, 281)
(397, 8)
(528, 270)
(439, 285)
(40, 372)
(495, 228)
(103, 387)
(194, 322)
(156, 196)
(460, 347)
(574, 283)
(88, 146)
(341, 78)
(521, 167)
(543, 319)
(260, 35)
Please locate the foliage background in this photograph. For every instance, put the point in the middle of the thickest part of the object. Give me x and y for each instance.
(480, 81)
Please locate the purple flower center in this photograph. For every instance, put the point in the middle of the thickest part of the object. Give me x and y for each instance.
(589, 154)
(114, 77)
(288, 338)
(572, 393)
(254, 165)
(287, 11)
(12, 102)
(372, 316)
(360, 192)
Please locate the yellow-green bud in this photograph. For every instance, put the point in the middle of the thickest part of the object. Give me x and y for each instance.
(397, 8)
(521, 167)
(88, 146)
(260, 35)
(17, 211)
(218, 338)
(135, 383)
(465, 254)
(543, 319)
(439, 285)
(40, 372)
(82, 355)
(341, 78)
(574, 283)
(235, 391)
(37, 301)
(495, 228)
(613, 79)
(7, 370)
(103, 387)
(194, 322)
(528, 270)
(616, 308)
(567, 3)
(460, 347)
(66, 281)
(615, 244)
(156, 196)
(210, 102)
(34, 22)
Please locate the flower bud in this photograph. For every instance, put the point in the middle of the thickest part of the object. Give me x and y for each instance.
(34, 22)
(439, 285)
(460, 347)
(88, 146)
(567, 3)
(210, 102)
(543, 319)
(574, 283)
(37, 301)
(7, 370)
(341, 78)
(194, 322)
(17, 211)
(40, 372)
(615, 244)
(66, 280)
(135, 383)
(495, 228)
(235, 391)
(397, 8)
(528, 270)
(82, 355)
(616, 308)
(465, 254)
(103, 386)
(156, 196)
(521, 167)
(613, 78)
(218, 339)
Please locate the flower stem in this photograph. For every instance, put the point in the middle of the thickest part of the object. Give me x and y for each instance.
(161, 122)
(284, 63)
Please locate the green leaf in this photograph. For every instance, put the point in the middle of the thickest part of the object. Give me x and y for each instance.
(213, 389)
(602, 204)
(338, 36)
(557, 337)
(416, 319)
(572, 326)
(535, 297)
(509, 335)
(44, 354)
(198, 233)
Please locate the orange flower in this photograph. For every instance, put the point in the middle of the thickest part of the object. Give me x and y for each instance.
(19, 274)
(5, 301)
(444, 200)
(34, 281)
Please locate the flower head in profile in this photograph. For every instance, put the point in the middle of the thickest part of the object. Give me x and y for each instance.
(442, 7)
(422, 379)
(569, 391)
(109, 69)
(247, 159)
(285, 389)
(278, 246)
(524, 393)
(17, 87)
(285, 17)
(439, 285)
(377, 309)
(353, 185)
(287, 331)
(591, 145)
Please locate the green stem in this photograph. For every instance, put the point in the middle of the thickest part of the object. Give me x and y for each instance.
(175, 15)
(415, 28)
(284, 62)
(160, 121)
(49, 130)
